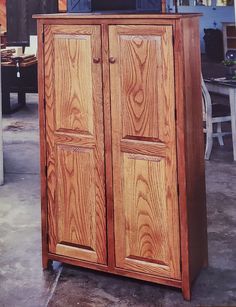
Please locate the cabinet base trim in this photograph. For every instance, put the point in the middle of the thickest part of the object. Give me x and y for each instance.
(117, 271)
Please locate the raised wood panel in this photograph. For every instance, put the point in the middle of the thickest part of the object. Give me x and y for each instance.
(144, 150)
(75, 144)
(145, 204)
(142, 83)
(76, 201)
(138, 90)
(146, 236)
(73, 73)
(76, 192)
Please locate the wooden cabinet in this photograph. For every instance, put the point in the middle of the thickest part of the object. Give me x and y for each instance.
(122, 166)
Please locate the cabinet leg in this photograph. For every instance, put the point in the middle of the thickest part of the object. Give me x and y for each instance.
(186, 291)
(205, 263)
(46, 263)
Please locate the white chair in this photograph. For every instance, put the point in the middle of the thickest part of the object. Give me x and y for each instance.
(213, 114)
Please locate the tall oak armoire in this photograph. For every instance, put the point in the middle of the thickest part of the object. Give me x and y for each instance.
(122, 148)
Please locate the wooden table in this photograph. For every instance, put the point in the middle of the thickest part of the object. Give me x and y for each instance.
(228, 89)
(26, 83)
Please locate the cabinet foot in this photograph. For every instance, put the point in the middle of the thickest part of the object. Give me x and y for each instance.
(186, 291)
(205, 263)
(46, 263)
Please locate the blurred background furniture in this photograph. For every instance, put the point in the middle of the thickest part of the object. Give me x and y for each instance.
(20, 80)
(220, 113)
(213, 114)
(229, 36)
(20, 24)
(75, 6)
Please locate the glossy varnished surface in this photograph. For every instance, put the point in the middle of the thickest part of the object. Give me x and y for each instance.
(115, 15)
(145, 186)
(75, 149)
(136, 128)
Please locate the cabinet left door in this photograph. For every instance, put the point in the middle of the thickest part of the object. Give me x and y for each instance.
(75, 142)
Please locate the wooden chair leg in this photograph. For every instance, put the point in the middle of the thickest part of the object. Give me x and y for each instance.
(219, 131)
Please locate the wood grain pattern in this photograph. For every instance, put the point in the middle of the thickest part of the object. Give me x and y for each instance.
(138, 91)
(108, 148)
(141, 82)
(137, 200)
(76, 179)
(74, 107)
(138, 168)
(145, 201)
(3, 20)
(195, 246)
(76, 199)
(43, 149)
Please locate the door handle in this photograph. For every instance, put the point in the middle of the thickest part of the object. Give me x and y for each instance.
(96, 60)
(112, 60)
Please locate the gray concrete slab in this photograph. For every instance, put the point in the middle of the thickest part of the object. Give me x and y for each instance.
(22, 281)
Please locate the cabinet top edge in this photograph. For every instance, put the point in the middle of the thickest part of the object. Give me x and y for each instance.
(99, 15)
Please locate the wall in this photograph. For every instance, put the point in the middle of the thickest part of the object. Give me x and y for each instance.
(212, 17)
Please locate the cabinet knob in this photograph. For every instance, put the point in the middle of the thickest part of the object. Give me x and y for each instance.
(112, 60)
(96, 60)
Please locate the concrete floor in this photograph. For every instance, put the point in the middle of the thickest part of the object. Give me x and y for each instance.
(24, 284)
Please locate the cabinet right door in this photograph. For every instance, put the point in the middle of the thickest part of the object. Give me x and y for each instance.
(144, 149)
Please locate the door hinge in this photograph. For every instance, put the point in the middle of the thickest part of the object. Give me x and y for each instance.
(44, 103)
(43, 37)
(46, 170)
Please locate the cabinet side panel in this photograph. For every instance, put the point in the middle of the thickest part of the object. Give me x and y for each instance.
(44, 211)
(194, 148)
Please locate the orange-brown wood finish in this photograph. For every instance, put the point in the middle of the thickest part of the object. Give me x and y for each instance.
(122, 110)
(3, 20)
(75, 145)
(145, 183)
